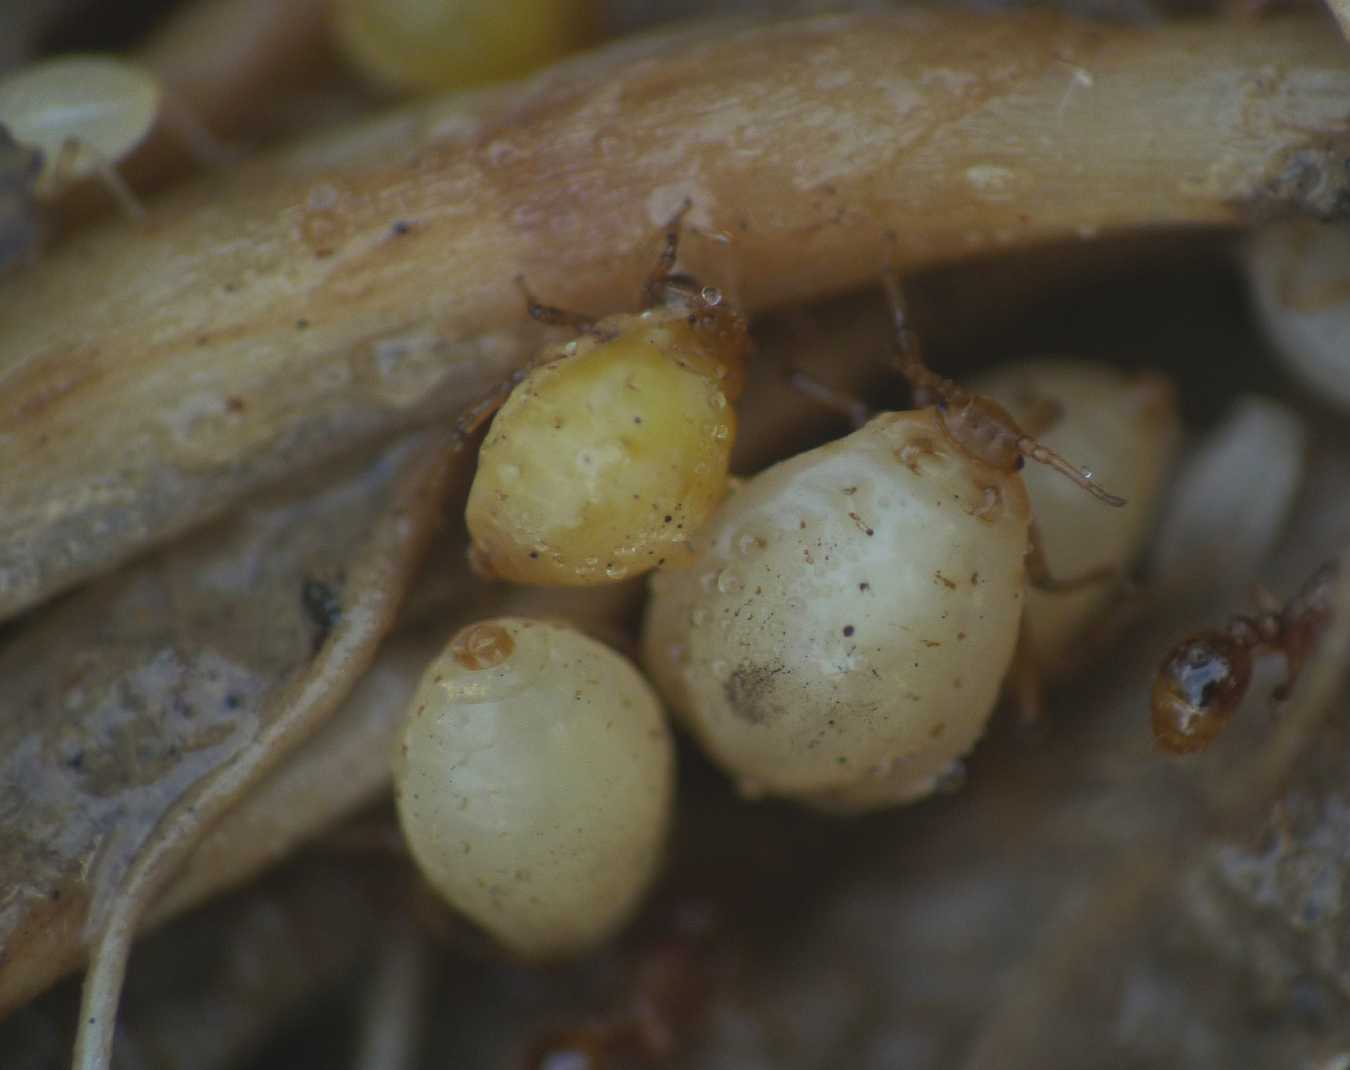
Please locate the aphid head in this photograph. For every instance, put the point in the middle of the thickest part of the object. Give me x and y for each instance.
(1199, 687)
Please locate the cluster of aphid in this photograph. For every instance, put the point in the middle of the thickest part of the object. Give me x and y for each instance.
(835, 630)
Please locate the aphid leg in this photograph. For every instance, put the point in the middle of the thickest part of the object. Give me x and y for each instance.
(853, 409)
(909, 351)
(1040, 576)
(554, 317)
(1033, 450)
(1025, 680)
(654, 288)
(63, 172)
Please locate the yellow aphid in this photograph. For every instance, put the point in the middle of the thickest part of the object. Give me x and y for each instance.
(613, 451)
(425, 45)
(82, 113)
(534, 779)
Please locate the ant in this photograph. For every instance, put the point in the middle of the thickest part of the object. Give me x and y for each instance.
(1203, 679)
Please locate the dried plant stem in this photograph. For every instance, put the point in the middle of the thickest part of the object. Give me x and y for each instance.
(152, 376)
(381, 577)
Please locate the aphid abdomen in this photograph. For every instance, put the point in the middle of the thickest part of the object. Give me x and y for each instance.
(602, 464)
(850, 615)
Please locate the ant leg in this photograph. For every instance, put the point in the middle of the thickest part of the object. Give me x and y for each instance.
(653, 289)
(554, 317)
(1041, 578)
(854, 410)
(1025, 680)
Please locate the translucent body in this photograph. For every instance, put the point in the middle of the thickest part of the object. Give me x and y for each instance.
(844, 631)
(534, 782)
(1125, 428)
(602, 464)
(449, 44)
(83, 113)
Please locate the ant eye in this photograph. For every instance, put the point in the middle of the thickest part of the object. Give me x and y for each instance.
(1198, 689)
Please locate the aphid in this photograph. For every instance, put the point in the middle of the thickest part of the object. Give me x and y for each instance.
(1128, 423)
(534, 781)
(843, 634)
(82, 114)
(613, 449)
(1203, 680)
(424, 45)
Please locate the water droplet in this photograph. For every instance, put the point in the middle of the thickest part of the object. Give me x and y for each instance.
(719, 399)
(616, 571)
(720, 433)
(728, 582)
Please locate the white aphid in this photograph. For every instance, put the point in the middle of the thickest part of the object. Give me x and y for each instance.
(844, 630)
(1126, 428)
(534, 780)
(83, 113)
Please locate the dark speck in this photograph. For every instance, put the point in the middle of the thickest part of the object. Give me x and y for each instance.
(400, 228)
(323, 607)
(300, 325)
(848, 629)
(864, 586)
(233, 701)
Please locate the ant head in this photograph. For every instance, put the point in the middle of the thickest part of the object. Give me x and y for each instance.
(1199, 687)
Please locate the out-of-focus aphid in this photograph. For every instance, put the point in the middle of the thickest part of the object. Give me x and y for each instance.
(425, 45)
(1203, 680)
(82, 114)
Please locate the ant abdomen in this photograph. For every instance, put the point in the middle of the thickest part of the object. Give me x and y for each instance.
(1198, 689)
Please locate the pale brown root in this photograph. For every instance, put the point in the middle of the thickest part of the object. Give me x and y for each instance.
(347, 328)
(396, 545)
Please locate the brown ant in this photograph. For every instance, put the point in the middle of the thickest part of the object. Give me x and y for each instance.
(1202, 681)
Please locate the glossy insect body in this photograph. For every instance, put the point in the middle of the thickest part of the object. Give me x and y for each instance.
(534, 782)
(849, 618)
(1203, 680)
(614, 448)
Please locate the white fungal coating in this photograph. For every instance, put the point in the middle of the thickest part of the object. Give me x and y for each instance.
(1125, 428)
(1299, 272)
(534, 780)
(83, 113)
(849, 617)
(602, 464)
